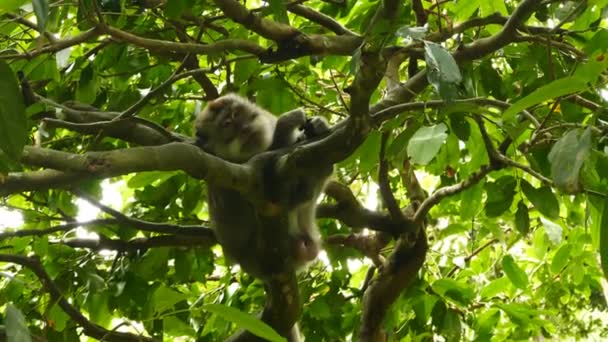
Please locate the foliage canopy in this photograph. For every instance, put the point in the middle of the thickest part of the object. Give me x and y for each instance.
(470, 198)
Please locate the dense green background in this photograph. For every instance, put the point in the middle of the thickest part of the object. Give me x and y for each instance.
(517, 227)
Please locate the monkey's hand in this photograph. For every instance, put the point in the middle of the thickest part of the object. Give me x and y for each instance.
(316, 126)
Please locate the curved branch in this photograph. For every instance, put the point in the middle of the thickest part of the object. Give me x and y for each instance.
(56, 46)
(165, 228)
(319, 18)
(139, 244)
(264, 27)
(350, 211)
(399, 272)
(59, 228)
(91, 121)
(164, 45)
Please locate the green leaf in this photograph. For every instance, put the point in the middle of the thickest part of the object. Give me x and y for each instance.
(451, 327)
(142, 179)
(499, 195)
(457, 291)
(522, 219)
(406, 31)
(518, 313)
(279, 11)
(567, 157)
(486, 324)
(87, 86)
(557, 88)
(517, 276)
(154, 264)
(13, 125)
(97, 307)
(460, 126)
(561, 258)
(11, 5)
(495, 287)
(165, 298)
(175, 8)
(470, 201)
(245, 321)
(442, 70)
(320, 309)
(41, 8)
(602, 212)
(554, 231)
(426, 142)
(244, 69)
(16, 328)
(542, 198)
(175, 326)
(59, 317)
(367, 153)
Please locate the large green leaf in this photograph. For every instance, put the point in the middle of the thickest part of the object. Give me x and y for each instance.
(279, 10)
(560, 87)
(543, 199)
(426, 142)
(87, 85)
(457, 291)
(517, 276)
(442, 70)
(600, 226)
(13, 127)
(554, 231)
(16, 327)
(165, 298)
(561, 258)
(41, 8)
(567, 157)
(500, 195)
(245, 321)
(522, 218)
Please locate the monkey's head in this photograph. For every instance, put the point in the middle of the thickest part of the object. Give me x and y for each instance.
(233, 128)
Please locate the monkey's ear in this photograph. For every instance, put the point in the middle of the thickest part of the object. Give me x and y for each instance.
(216, 104)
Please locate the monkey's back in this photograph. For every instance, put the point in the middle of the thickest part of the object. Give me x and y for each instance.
(259, 244)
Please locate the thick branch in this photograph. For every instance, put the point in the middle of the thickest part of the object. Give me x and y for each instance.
(399, 272)
(168, 157)
(264, 27)
(39, 180)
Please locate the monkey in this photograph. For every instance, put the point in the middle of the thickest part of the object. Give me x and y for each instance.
(235, 129)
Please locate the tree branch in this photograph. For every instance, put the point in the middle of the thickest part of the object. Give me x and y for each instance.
(90, 329)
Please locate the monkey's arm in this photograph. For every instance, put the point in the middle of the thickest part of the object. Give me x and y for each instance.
(288, 127)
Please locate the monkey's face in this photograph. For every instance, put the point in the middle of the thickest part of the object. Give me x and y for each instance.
(234, 129)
